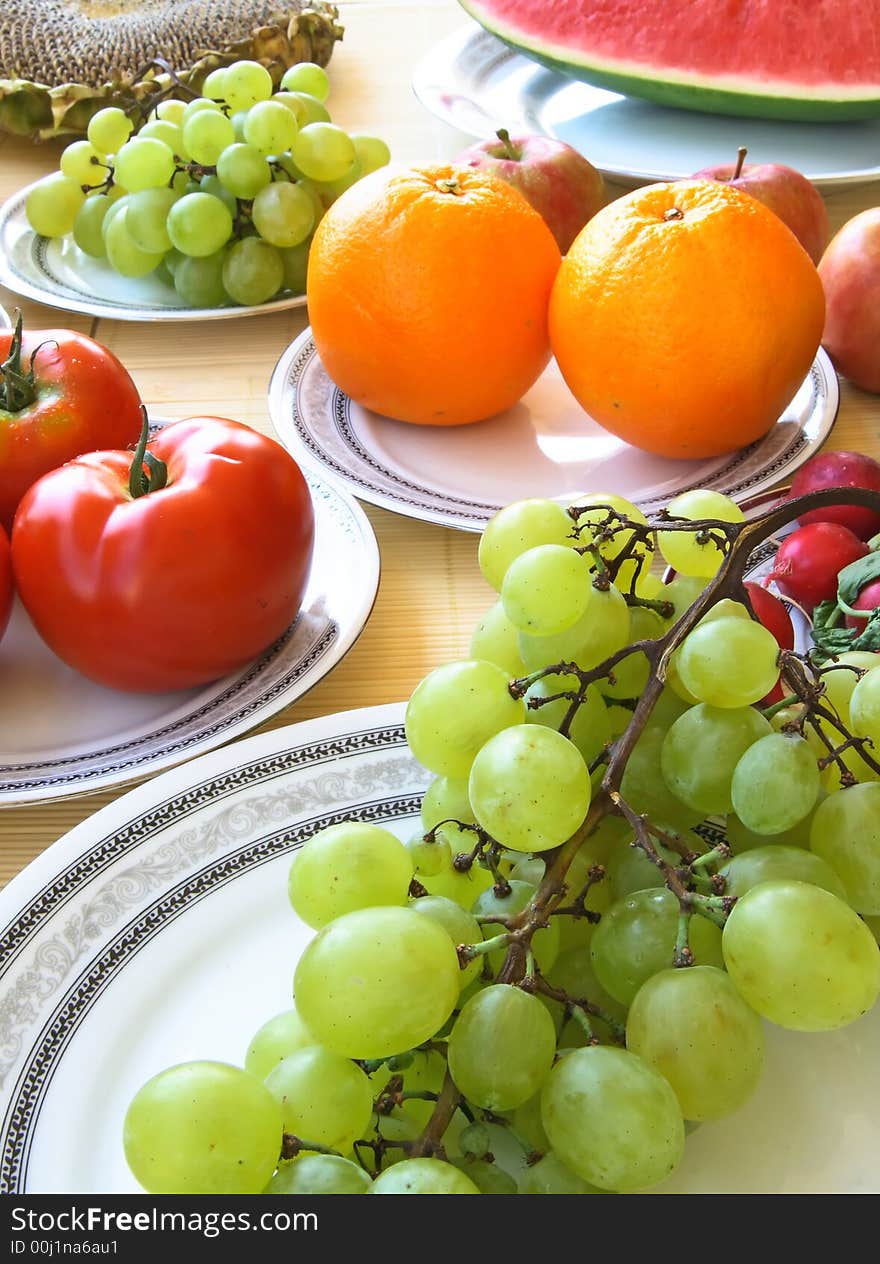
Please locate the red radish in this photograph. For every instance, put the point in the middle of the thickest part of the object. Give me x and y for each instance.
(868, 599)
(775, 618)
(809, 560)
(840, 469)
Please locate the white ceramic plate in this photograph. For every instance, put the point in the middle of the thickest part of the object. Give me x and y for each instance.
(58, 273)
(5, 322)
(159, 931)
(60, 734)
(476, 83)
(546, 445)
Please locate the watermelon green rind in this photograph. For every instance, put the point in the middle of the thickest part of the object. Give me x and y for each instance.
(734, 94)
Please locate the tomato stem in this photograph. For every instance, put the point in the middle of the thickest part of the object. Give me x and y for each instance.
(152, 479)
(18, 387)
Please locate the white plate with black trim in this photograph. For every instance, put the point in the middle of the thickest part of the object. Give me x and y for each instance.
(56, 272)
(159, 931)
(477, 84)
(60, 734)
(546, 445)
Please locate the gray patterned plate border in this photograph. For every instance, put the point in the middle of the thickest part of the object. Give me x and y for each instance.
(27, 269)
(315, 423)
(339, 598)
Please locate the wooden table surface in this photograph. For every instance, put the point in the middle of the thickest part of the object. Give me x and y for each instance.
(431, 592)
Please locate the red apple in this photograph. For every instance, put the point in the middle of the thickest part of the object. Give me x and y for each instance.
(850, 272)
(558, 181)
(840, 469)
(787, 193)
(868, 599)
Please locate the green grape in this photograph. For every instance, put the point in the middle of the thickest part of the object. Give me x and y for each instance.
(576, 932)
(270, 127)
(461, 886)
(864, 707)
(319, 1174)
(429, 853)
(521, 867)
(605, 532)
(446, 799)
(629, 869)
(729, 662)
(372, 153)
(573, 973)
(253, 272)
(109, 129)
(612, 1119)
(168, 133)
(422, 1071)
(243, 170)
(668, 707)
(550, 1176)
(495, 639)
(171, 110)
(682, 591)
(281, 1036)
(636, 939)
(840, 682)
(873, 925)
(202, 1128)
(590, 730)
(681, 548)
(306, 108)
(143, 164)
(529, 787)
(633, 576)
(460, 925)
(475, 1141)
(455, 710)
(423, 1176)
(832, 776)
(206, 134)
(199, 282)
(295, 262)
(501, 1047)
(306, 76)
(238, 121)
(283, 214)
(741, 839)
(323, 151)
(845, 832)
(245, 83)
(775, 783)
(701, 750)
(353, 865)
(489, 1178)
(117, 207)
(696, 1030)
(81, 162)
(146, 219)
(544, 943)
(377, 981)
(523, 525)
(546, 589)
(329, 190)
(323, 1097)
(801, 957)
(87, 225)
(527, 1125)
(198, 105)
(602, 629)
(199, 224)
(52, 205)
(645, 789)
(124, 256)
(631, 673)
(214, 84)
(763, 864)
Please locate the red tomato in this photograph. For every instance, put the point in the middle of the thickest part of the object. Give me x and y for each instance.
(178, 586)
(775, 618)
(7, 589)
(868, 599)
(809, 560)
(80, 399)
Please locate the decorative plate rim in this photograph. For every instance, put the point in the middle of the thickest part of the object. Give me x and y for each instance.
(443, 53)
(467, 514)
(12, 214)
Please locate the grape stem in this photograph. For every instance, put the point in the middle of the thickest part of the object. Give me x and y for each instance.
(292, 1146)
(579, 1005)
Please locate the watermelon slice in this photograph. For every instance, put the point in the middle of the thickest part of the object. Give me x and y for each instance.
(815, 60)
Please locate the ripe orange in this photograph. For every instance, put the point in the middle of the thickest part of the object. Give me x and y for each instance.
(685, 317)
(428, 292)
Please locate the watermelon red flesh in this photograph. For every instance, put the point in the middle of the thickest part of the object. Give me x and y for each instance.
(797, 59)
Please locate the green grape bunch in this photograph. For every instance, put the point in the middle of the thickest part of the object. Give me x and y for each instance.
(218, 195)
(629, 863)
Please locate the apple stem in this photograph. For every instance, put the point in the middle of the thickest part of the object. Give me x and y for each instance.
(510, 150)
(740, 159)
